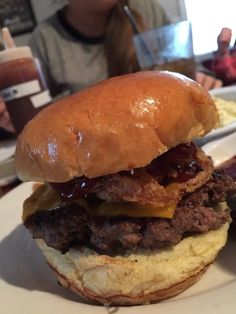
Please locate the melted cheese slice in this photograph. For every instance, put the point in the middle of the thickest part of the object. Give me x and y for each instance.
(134, 210)
(46, 198)
(43, 198)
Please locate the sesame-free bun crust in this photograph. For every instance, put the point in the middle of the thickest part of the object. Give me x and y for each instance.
(136, 278)
(118, 124)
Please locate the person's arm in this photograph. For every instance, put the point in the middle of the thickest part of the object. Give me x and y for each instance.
(5, 121)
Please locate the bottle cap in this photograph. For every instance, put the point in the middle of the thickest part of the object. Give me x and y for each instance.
(15, 53)
(12, 52)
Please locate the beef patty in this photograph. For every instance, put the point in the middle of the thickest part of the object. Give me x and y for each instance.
(197, 212)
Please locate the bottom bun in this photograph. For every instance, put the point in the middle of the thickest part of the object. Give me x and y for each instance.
(136, 278)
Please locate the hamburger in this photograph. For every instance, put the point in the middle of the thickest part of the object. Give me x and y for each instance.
(130, 210)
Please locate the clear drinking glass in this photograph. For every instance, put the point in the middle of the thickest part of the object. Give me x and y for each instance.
(167, 48)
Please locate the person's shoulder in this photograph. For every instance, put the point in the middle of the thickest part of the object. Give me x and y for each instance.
(44, 35)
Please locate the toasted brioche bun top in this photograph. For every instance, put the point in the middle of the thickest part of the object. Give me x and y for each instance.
(118, 124)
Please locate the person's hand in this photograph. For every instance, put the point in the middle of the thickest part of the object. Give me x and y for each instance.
(224, 59)
(5, 121)
(208, 81)
(223, 41)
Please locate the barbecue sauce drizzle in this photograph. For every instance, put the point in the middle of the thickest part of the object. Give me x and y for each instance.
(179, 164)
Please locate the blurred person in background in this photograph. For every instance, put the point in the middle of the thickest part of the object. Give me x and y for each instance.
(224, 60)
(88, 41)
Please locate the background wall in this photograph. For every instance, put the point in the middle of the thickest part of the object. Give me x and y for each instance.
(44, 8)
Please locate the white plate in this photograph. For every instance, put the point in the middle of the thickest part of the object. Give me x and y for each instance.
(28, 286)
(217, 133)
(7, 149)
(227, 93)
(221, 149)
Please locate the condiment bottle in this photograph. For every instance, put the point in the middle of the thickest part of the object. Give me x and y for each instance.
(22, 85)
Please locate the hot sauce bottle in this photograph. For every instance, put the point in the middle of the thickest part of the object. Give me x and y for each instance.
(22, 85)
